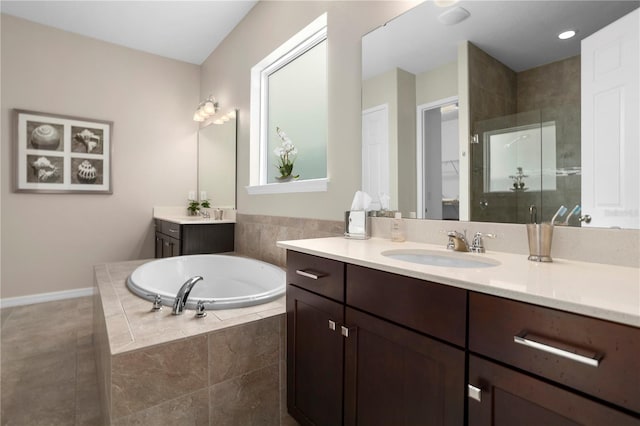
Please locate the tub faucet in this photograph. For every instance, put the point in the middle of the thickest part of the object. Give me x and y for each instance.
(183, 294)
(457, 241)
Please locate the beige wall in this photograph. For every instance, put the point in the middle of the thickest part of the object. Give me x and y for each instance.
(439, 83)
(270, 23)
(51, 242)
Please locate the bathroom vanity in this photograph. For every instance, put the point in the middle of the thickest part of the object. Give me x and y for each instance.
(375, 340)
(174, 238)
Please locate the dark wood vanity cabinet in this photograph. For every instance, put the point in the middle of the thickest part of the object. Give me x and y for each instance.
(366, 347)
(508, 397)
(174, 239)
(395, 376)
(314, 358)
(360, 362)
(563, 368)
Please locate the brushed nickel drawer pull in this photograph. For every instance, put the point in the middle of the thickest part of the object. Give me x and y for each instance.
(173, 230)
(332, 325)
(474, 392)
(592, 359)
(313, 275)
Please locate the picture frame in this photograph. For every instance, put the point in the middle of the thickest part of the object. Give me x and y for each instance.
(61, 154)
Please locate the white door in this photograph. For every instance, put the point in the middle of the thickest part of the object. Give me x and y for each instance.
(375, 153)
(610, 116)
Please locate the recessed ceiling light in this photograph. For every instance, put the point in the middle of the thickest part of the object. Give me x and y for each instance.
(566, 34)
(445, 3)
(454, 16)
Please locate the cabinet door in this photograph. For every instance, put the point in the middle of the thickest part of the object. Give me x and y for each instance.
(170, 246)
(394, 376)
(159, 244)
(314, 358)
(501, 396)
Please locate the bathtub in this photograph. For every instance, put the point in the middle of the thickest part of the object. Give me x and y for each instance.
(227, 281)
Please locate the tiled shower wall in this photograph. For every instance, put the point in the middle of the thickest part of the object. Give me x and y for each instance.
(550, 92)
(256, 235)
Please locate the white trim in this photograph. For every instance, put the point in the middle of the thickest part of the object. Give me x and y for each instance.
(8, 302)
(420, 109)
(309, 185)
(304, 40)
(385, 174)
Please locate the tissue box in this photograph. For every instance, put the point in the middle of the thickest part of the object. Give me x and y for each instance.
(357, 225)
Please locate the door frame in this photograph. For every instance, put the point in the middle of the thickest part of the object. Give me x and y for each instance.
(420, 127)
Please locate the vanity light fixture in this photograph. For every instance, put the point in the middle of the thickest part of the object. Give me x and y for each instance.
(231, 115)
(565, 35)
(206, 109)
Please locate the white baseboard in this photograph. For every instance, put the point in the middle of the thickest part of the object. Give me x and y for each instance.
(45, 297)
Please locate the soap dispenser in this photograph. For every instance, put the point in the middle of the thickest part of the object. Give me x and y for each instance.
(397, 228)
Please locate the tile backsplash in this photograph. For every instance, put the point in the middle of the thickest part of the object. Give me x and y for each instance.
(256, 236)
(599, 245)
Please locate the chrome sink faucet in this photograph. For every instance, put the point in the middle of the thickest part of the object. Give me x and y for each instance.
(477, 245)
(183, 294)
(457, 241)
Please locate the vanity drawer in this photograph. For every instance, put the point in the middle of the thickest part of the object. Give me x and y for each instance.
(316, 274)
(169, 228)
(434, 309)
(545, 342)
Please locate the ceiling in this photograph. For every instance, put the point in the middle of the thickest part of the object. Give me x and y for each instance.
(521, 34)
(184, 30)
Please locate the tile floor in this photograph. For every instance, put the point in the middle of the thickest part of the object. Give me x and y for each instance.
(48, 369)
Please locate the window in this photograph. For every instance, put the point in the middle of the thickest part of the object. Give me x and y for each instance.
(289, 93)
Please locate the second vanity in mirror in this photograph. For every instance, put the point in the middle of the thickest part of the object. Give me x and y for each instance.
(177, 233)
(483, 118)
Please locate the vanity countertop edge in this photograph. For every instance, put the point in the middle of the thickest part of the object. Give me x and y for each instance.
(192, 220)
(597, 290)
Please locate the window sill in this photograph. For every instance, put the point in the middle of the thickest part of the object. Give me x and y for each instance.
(311, 185)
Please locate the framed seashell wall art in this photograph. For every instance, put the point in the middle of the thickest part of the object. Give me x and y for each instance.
(61, 154)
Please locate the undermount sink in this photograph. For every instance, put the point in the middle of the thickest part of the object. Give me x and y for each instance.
(435, 258)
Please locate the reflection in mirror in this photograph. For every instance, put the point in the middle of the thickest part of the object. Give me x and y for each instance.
(217, 164)
(530, 130)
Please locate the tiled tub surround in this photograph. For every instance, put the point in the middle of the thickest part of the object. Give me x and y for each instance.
(602, 291)
(256, 235)
(160, 369)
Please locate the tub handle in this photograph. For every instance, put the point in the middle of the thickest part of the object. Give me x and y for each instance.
(157, 302)
(310, 274)
(200, 312)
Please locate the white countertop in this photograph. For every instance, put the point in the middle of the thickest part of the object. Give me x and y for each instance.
(178, 215)
(597, 290)
(191, 220)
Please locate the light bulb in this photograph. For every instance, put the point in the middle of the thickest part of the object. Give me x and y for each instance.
(209, 107)
(218, 121)
(203, 113)
(232, 114)
(225, 118)
(197, 117)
